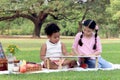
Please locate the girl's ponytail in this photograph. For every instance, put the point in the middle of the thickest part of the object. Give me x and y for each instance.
(80, 40)
(95, 46)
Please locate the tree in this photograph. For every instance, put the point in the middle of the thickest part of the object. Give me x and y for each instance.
(15, 9)
(38, 10)
(113, 18)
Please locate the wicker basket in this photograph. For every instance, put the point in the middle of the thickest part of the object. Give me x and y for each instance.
(35, 68)
(3, 64)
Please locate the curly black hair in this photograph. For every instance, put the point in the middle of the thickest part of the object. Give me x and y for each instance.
(51, 28)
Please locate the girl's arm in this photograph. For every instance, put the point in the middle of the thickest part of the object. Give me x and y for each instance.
(75, 44)
(99, 48)
(76, 52)
(64, 51)
(95, 54)
(43, 52)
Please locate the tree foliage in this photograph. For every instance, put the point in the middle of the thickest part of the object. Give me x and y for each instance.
(67, 13)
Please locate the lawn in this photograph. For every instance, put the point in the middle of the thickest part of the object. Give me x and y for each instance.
(30, 50)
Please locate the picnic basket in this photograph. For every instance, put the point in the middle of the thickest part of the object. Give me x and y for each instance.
(34, 69)
(3, 64)
(38, 67)
(3, 59)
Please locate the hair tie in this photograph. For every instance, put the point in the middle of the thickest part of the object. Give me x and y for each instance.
(83, 21)
(90, 23)
(96, 27)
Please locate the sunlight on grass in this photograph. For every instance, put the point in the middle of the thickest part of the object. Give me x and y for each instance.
(30, 51)
(110, 40)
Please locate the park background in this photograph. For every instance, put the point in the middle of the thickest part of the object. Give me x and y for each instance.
(22, 23)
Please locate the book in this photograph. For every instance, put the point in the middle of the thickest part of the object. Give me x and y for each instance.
(2, 55)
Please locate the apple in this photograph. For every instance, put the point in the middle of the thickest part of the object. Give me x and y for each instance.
(36, 65)
(83, 65)
(32, 65)
(29, 65)
(23, 69)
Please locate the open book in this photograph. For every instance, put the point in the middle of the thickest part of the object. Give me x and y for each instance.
(2, 55)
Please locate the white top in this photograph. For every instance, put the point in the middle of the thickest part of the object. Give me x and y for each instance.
(54, 50)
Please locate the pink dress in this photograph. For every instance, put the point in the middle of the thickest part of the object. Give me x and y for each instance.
(88, 43)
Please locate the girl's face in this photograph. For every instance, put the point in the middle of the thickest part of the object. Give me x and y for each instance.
(55, 37)
(87, 31)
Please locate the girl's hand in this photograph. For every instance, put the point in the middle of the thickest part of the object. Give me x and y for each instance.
(82, 55)
(72, 54)
(91, 55)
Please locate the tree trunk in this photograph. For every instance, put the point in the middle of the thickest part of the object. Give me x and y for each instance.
(80, 22)
(38, 23)
(37, 29)
(106, 35)
(80, 26)
(106, 32)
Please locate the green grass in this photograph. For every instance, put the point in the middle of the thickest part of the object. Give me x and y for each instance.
(30, 50)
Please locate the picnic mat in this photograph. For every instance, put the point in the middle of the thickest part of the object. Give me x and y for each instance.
(115, 66)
